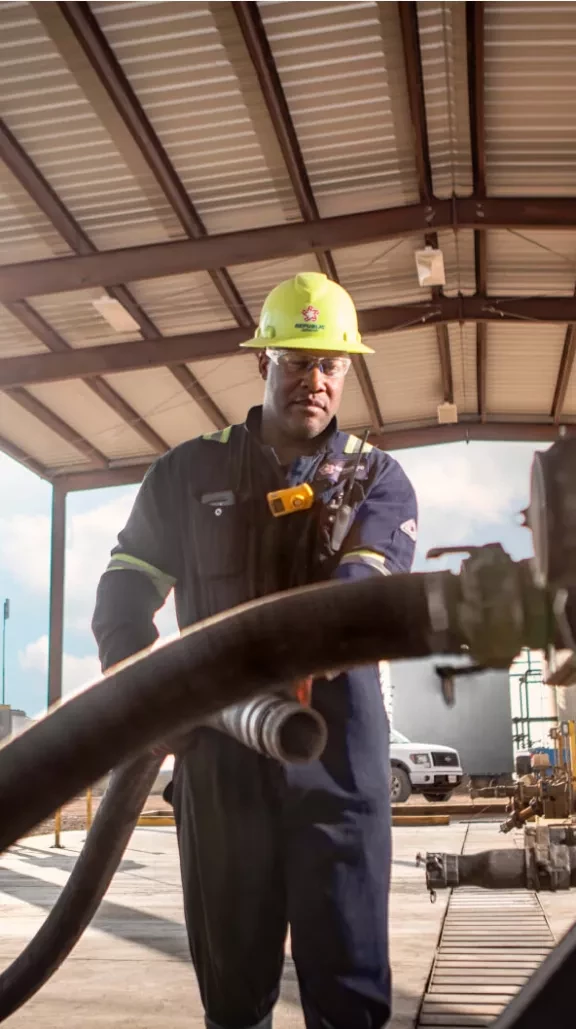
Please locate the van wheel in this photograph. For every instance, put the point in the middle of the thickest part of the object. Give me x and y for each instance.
(400, 785)
(435, 798)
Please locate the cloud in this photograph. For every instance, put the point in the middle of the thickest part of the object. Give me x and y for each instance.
(467, 494)
(25, 553)
(470, 493)
(76, 671)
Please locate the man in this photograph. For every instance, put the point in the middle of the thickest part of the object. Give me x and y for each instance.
(263, 845)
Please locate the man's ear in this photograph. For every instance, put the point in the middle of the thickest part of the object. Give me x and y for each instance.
(263, 364)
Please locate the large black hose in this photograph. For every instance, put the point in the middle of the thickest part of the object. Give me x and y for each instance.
(81, 896)
(212, 665)
(65, 751)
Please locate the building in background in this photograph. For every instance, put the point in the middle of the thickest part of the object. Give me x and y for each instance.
(478, 725)
(535, 706)
(12, 721)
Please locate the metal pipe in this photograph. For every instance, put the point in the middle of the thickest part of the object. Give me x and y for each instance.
(57, 570)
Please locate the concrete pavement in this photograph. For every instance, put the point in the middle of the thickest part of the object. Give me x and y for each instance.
(132, 970)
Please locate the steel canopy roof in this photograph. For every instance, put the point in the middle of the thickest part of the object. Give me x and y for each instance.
(171, 162)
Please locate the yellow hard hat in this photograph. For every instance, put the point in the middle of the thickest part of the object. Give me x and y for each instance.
(309, 312)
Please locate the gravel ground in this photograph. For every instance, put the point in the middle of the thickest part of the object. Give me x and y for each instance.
(74, 814)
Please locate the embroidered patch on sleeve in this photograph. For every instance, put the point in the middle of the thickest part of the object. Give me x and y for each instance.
(410, 529)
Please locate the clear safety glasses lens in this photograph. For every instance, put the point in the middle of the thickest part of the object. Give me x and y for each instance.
(296, 365)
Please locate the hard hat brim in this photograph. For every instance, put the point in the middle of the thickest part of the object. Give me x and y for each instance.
(306, 344)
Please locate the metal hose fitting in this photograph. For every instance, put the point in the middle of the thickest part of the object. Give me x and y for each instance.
(276, 727)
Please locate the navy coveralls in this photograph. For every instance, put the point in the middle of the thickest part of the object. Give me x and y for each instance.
(263, 846)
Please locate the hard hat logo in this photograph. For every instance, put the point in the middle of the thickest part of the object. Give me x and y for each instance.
(310, 314)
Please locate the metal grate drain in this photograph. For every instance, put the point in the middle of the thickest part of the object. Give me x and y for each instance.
(491, 943)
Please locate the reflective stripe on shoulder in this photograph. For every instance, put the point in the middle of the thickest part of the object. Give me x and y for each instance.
(125, 562)
(368, 557)
(353, 444)
(219, 437)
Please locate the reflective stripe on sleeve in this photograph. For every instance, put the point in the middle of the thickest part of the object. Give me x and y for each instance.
(125, 562)
(368, 557)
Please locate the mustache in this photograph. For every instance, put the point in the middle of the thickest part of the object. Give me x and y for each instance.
(306, 398)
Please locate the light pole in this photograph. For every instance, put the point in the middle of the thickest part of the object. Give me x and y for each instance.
(5, 617)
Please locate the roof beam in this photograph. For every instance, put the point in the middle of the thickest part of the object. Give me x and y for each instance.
(408, 14)
(57, 425)
(260, 53)
(46, 334)
(467, 432)
(475, 53)
(256, 40)
(87, 362)
(388, 439)
(17, 454)
(156, 260)
(79, 38)
(31, 179)
(196, 390)
(564, 373)
(122, 475)
(46, 199)
(127, 413)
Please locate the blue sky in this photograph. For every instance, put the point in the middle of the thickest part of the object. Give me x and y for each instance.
(467, 494)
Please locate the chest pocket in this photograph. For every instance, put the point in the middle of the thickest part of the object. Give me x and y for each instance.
(220, 530)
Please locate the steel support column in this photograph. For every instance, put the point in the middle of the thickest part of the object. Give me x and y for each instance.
(57, 570)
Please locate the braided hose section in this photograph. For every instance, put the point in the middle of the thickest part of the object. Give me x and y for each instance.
(276, 727)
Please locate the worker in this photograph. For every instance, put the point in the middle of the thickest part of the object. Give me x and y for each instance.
(263, 845)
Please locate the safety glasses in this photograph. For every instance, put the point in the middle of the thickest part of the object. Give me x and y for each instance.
(298, 365)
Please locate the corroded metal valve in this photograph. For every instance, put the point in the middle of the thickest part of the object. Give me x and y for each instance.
(547, 863)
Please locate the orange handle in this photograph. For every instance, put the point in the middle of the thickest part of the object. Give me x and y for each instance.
(303, 690)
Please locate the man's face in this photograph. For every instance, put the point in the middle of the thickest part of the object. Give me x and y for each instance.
(299, 396)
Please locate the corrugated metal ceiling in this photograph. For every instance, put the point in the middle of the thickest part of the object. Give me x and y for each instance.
(48, 111)
(165, 405)
(462, 339)
(15, 338)
(382, 273)
(183, 303)
(442, 29)
(528, 262)
(201, 95)
(77, 321)
(406, 374)
(522, 367)
(343, 71)
(530, 93)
